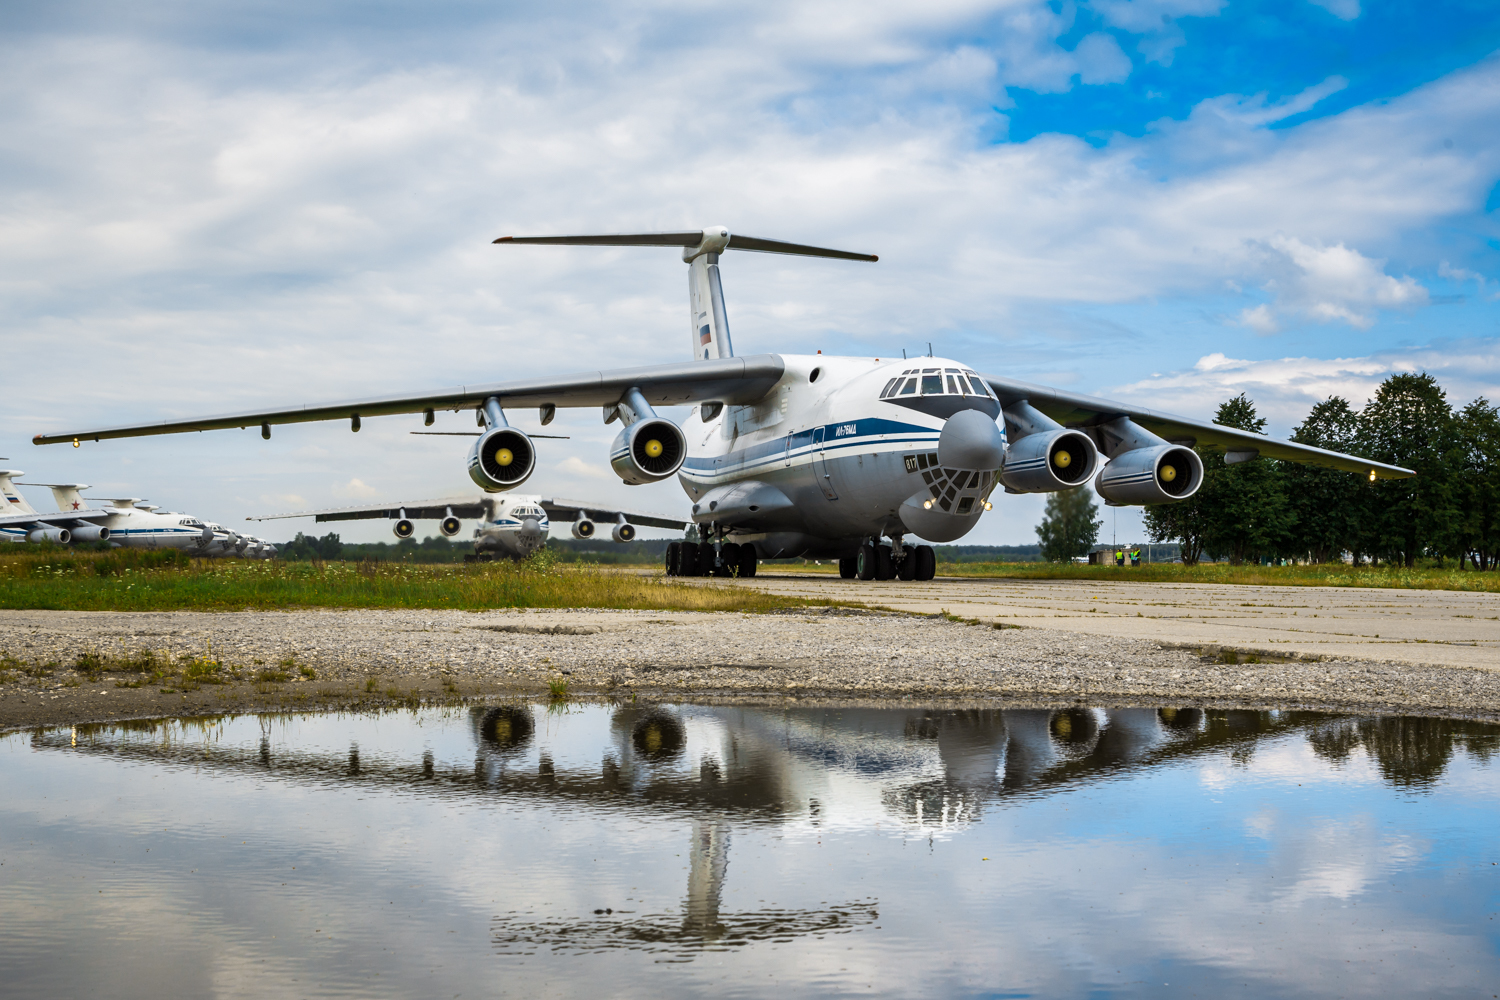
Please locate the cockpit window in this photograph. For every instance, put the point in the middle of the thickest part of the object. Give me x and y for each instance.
(888, 386)
(932, 385)
(910, 387)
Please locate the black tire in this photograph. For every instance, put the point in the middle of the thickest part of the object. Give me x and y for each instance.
(926, 562)
(706, 559)
(866, 557)
(848, 567)
(885, 566)
(747, 561)
(673, 558)
(906, 569)
(687, 559)
(729, 559)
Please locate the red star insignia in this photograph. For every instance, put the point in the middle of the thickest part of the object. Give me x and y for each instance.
(76, 505)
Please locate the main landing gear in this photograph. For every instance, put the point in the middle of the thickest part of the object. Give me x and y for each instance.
(726, 559)
(878, 561)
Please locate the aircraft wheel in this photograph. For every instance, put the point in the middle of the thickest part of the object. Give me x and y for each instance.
(673, 557)
(729, 559)
(885, 566)
(705, 559)
(906, 569)
(926, 562)
(866, 557)
(687, 559)
(848, 567)
(747, 561)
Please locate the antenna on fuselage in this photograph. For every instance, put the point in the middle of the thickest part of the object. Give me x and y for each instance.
(700, 250)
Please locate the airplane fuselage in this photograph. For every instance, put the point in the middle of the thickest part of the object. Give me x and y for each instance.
(854, 464)
(515, 527)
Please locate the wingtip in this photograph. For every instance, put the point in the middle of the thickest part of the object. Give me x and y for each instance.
(503, 239)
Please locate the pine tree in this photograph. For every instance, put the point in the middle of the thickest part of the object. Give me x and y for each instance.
(1069, 527)
(1329, 504)
(1409, 423)
(1247, 515)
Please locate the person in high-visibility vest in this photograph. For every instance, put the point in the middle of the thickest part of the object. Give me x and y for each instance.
(1135, 557)
(1119, 557)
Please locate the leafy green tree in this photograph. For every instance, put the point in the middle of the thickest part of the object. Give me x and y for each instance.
(1069, 525)
(1477, 429)
(309, 547)
(1328, 504)
(1247, 513)
(1183, 523)
(1409, 423)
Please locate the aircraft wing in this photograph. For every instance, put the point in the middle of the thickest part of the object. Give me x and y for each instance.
(726, 380)
(467, 508)
(569, 510)
(1077, 410)
(59, 519)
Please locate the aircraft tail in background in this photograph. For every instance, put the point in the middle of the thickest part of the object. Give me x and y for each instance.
(14, 503)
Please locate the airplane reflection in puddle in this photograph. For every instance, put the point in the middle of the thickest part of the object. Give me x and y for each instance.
(913, 773)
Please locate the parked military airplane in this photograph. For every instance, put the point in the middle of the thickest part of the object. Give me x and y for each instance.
(513, 525)
(814, 455)
(127, 523)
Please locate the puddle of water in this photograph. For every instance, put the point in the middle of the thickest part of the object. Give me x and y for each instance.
(685, 850)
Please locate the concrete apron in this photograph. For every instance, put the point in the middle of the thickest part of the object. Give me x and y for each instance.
(1447, 627)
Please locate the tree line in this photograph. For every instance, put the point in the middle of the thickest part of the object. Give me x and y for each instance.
(1269, 510)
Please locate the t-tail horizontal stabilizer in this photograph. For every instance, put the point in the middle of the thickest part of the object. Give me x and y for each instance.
(700, 249)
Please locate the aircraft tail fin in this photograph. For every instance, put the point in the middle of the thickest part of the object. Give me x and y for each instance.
(701, 250)
(13, 502)
(67, 495)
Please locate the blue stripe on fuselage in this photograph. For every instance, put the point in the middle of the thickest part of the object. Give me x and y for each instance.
(856, 434)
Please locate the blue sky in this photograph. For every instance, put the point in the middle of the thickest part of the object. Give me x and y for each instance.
(1169, 201)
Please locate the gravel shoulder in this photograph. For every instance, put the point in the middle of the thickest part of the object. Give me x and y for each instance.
(370, 659)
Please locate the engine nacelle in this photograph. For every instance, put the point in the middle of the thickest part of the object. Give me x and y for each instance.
(502, 459)
(403, 528)
(648, 451)
(584, 528)
(62, 536)
(450, 526)
(89, 533)
(1049, 461)
(623, 532)
(1164, 474)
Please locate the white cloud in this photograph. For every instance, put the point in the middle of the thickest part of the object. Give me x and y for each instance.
(1344, 10)
(1100, 59)
(1260, 319)
(1336, 283)
(356, 488)
(1285, 389)
(573, 465)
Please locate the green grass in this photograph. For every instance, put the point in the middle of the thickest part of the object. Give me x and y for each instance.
(1332, 575)
(64, 580)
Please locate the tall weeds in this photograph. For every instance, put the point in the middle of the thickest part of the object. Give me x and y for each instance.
(152, 581)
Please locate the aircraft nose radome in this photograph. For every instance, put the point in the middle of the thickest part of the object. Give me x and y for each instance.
(971, 440)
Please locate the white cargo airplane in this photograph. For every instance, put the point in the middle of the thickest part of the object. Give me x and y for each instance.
(812, 455)
(513, 525)
(127, 523)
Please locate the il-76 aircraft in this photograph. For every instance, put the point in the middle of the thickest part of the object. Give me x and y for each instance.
(126, 523)
(513, 525)
(813, 455)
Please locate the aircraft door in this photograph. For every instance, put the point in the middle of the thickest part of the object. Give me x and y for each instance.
(820, 466)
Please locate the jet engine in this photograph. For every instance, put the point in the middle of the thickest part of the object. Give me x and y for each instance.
(502, 459)
(624, 531)
(404, 528)
(61, 536)
(1049, 461)
(90, 533)
(1164, 474)
(648, 451)
(450, 525)
(583, 528)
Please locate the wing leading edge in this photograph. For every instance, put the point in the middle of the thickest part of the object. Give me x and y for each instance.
(726, 380)
(471, 508)
(1085, 412)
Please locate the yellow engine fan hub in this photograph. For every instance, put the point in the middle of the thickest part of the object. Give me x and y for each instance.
(504, 457)
(1062, 459)
(1168, 473)
(654, 448)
